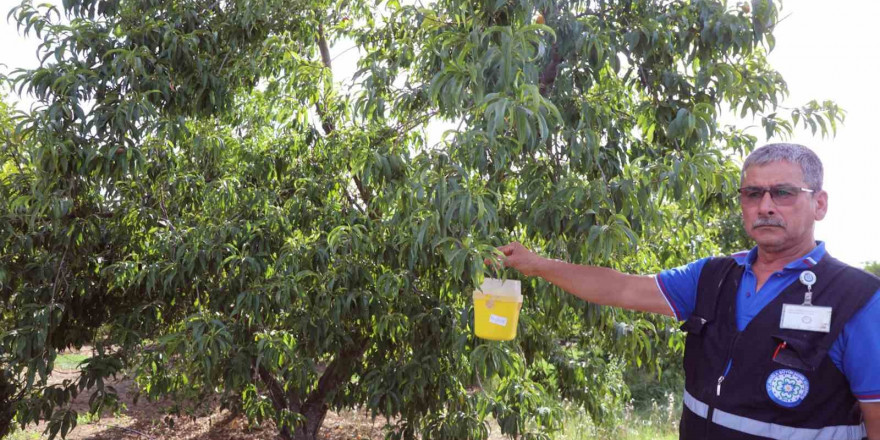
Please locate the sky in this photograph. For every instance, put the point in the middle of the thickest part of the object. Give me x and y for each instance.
(824, 50)
(828, 50)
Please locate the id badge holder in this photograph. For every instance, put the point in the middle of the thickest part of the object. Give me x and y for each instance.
(806, 316)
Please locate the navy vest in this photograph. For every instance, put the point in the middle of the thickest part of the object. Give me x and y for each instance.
(740, 406)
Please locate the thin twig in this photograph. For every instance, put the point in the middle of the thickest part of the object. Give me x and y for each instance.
(57, 276)
(52, 302)
(164, 211)
(344, 51)
(403, 130)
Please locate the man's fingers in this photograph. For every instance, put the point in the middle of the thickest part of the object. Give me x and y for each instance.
(495, 262)
(507, 249)
(499, 261)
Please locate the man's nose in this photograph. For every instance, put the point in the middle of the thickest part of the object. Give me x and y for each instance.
(767, 205)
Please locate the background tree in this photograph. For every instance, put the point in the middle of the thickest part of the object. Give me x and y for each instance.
(197, 198)
(8, 387)
(873, 267)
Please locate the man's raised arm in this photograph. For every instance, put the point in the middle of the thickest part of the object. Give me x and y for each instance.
(871, 414)
(597, 285)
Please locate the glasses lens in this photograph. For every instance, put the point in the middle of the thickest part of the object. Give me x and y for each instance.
(751, 194)
(784, 195)
(781, 195)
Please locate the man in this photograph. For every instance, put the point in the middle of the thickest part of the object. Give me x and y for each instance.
(783, 340)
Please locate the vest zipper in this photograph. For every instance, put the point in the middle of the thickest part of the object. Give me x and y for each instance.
(729, 362)
(721, 378)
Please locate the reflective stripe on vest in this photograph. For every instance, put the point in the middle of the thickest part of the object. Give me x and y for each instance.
(772, 430)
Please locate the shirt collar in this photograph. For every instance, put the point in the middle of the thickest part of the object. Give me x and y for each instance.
(746, 258)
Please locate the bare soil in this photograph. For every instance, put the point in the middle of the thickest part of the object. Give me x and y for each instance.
(151, 420)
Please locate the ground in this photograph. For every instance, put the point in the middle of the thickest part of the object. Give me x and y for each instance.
(149, 420)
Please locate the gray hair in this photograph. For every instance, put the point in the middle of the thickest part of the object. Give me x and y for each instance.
(810, 164)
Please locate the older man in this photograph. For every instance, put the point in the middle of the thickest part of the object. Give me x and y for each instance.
(783, 340)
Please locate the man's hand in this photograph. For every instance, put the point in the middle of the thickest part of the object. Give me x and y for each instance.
(523, 260)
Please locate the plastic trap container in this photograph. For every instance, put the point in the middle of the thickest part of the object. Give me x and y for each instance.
(496, 309)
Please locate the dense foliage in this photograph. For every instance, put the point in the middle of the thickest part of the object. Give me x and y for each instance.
(198, 198)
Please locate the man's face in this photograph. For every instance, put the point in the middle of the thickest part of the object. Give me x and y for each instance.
(774, 225)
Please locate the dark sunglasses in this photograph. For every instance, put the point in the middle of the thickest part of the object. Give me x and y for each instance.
(782, 195)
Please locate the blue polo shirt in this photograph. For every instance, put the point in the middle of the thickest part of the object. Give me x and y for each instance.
(856, 351)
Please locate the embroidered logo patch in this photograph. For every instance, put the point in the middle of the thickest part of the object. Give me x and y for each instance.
(787, 387)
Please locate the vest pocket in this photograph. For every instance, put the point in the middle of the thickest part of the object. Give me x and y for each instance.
(792, 353)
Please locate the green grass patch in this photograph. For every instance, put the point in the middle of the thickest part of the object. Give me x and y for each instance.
(657, 422)
(23, 435)
(87, 418)
(70, 361)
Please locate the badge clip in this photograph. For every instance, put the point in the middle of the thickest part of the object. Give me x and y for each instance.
(808, 278)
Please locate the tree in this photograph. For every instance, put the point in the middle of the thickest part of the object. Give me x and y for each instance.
(8, 386)
(197, 198)
(873, 267)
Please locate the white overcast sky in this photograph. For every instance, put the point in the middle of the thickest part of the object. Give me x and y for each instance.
(824, 50)
(828, 50)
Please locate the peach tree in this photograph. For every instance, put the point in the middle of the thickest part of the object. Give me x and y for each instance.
(198, 197)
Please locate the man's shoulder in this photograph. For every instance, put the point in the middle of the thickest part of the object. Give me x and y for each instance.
(867, 276)
(718, 267)
(863, 273)
(738, 258)
(738, 255)
(858, 274)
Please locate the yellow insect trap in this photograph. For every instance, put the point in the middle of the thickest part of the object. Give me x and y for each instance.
(496, 309)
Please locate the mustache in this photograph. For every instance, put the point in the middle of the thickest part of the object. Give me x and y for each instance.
(768, 222)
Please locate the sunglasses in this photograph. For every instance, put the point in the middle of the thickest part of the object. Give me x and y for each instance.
(782, 195)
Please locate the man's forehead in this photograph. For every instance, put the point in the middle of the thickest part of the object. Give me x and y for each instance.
(781, 171)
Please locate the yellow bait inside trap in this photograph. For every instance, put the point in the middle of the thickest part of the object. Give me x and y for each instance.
(496, 309)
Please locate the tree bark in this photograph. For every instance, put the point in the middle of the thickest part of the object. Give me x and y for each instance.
(7, 404)
(337, 373)
(548, 75)
(280, 400)
(329, 125)
(315, 406)
(314, 420)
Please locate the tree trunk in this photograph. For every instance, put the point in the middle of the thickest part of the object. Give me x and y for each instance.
(7, 403)
(315, 407)
(314, 420)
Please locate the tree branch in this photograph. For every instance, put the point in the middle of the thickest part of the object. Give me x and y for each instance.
(328, 125)
(339, 370)
(548, 75)
(280, 399)
(322, 45)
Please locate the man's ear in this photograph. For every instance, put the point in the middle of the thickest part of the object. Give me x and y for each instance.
(821, 204)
